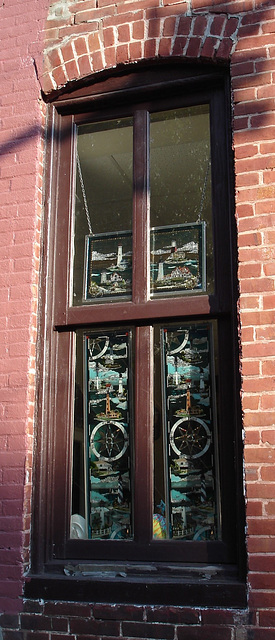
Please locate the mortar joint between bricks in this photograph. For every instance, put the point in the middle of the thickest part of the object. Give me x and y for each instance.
(158, 40)
(146, 29)
(175, 32)
(75, 57)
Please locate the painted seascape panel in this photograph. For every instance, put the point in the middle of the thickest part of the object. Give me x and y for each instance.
(178, 262)
(189, 505)
(108, 270)
(107, 363)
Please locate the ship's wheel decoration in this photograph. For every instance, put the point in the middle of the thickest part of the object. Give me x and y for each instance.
(190, 437)
(98, 346)
(109, 441)
(180, 339)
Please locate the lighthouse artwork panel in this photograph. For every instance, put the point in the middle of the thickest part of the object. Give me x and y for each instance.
(108, 266)
(178, 258)
(186, 507)
(107, 364)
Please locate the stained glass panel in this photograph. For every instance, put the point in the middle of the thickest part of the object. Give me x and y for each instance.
(107, 435)
(186, 497)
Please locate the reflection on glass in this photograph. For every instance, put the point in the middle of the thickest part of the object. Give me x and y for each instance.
(103, 211)
(186, 484)
(101, 498)
(180, 201)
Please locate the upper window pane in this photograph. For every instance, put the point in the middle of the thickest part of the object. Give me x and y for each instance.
(180, 202)
(103, 211)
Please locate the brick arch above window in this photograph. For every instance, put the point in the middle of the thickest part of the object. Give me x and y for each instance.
(128, 38)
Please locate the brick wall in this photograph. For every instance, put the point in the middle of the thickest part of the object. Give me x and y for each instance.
(81, 38)
(21, 130)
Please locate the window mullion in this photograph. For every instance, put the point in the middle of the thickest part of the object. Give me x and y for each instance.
(144, 416)
(141, 226)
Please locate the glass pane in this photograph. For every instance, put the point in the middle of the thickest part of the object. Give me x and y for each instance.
(180, 204)
(186, 468)
(101, 496)
(103, 211)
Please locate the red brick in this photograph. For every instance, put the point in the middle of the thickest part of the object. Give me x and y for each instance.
(267, 618)
(174, 615)
(154, 28)
(262, 581)
(59, 76)
(118, 612)
(184, 26)
(93, 42)
(67, 52)
(251, 437)
(230, 27)
(250, 270)
(165, 47)
(200, 23)
(257, 285)
(208, 632)
(84, 65)
(179, 45)
(150, 48)
(138, 30)
(54, 58)
(147, 630)
(123, 17)
(80, 46)
(223, 617)
(96, 627)
(110, 56)
(97, 61)
(262, 599)
(123, 33)
(217, 25)
(209, 47)
(261, 545)
(268, 368)
(247, 179)
(225, 49)
(135, 49)
(259, 454)
(122, 53)
(259, 489)
(108, 37)
(193, 47)
(169, 27)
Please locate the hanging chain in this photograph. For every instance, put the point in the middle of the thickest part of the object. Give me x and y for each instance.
(84, 194)
(204, 191)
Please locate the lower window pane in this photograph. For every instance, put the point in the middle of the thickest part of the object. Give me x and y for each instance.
(101, 497)
(186, 462)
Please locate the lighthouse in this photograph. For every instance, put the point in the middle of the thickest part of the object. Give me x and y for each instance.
(119, 255)
(160, 271)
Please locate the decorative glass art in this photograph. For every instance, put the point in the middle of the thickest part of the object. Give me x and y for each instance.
(189, 506)
(178, 260)
(108, 265)
(107, 360)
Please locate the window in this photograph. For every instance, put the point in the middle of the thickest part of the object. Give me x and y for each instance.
(141, 474)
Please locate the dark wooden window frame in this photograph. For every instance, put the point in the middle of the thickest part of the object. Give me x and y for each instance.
(141, 570)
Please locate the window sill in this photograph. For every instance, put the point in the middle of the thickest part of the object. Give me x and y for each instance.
(205, 585)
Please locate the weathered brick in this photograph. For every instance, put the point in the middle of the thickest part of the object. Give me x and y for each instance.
(207, 632)
(148, 630)
(118, 612)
